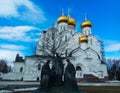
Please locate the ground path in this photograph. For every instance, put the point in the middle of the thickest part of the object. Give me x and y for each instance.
(20, 83)
(26, 86)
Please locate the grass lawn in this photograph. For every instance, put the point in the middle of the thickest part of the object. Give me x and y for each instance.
(100, 89)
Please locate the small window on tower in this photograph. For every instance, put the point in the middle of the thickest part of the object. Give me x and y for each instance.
(21, 69)
(90, 41)
(39, 67)
(66, 38)
(64, 28)
(85, 32)
(61, 27)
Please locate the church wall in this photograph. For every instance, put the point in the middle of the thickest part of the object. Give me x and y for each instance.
(91, 53)
(71, 29)
(63, 26)
(94, 43)
(31, 73)
(18, 70)
(87, 31)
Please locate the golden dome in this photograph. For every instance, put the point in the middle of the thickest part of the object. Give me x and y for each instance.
(86, 23)
(62, 19)
(83, 39)
(71, 21)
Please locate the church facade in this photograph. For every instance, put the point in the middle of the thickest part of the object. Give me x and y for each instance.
(88, 58)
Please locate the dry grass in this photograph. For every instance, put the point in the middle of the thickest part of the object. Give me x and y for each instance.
(100, 89)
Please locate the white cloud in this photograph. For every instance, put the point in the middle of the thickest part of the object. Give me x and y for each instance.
(30, 12)
(17, 33)
(9, 55)
(8, 8)
(11, 47)
(113, 47)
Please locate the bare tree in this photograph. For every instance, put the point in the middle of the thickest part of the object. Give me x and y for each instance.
(114, 69)
(54, 42)
(3, 66)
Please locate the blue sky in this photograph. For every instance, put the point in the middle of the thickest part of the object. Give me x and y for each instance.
(21, 22)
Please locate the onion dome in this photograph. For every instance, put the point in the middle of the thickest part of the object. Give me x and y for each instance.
(71, 21)
(83, 39)
(86, 23)
(62, 19)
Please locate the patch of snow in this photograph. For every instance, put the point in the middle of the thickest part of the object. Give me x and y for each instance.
(25, 89)
(6, 91)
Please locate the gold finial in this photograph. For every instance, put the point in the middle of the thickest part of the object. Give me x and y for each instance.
(85, 16)
(68, 12)
(62, 12)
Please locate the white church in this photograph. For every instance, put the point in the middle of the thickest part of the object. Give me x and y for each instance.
(88, 60)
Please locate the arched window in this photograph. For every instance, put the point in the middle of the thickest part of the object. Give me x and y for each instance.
(64, 28)
(71, 31)
(66, 38)
(90, 41)
(78, 68)
(37, 78)
(22, 79)
(21, 69)
(39, 66)
(85, 32)
(60, 27)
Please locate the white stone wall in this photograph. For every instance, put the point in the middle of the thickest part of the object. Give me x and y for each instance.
(87, 31)
(62, 26)
(18, 70)
(31, 73)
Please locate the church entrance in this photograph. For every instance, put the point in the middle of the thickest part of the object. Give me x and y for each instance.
(79, 73)
(78, 68)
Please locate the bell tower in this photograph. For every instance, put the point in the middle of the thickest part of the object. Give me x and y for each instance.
(86, 27)
(62, 22)
(71, 23)
(83, 41)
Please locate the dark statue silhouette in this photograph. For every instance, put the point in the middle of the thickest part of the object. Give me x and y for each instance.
(45, 76)
(58, 69)
(69, 77)
(52, 79)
